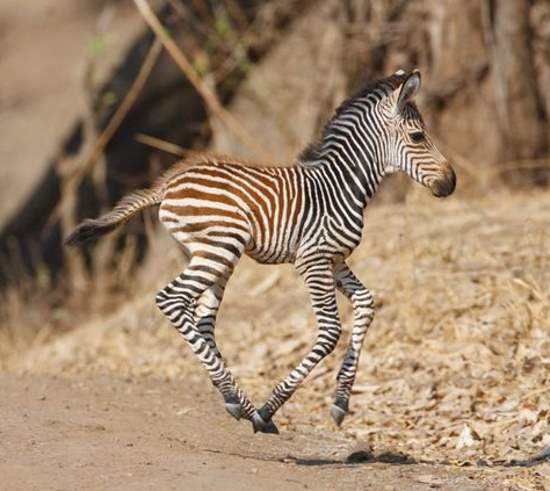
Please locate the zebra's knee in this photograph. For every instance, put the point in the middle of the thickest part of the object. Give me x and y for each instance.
(163, 298)
(160, 299)
(168, 301)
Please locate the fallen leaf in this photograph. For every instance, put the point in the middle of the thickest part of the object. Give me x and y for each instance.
(527, 416)
(265, 285)
(467, 438)
(543, 470)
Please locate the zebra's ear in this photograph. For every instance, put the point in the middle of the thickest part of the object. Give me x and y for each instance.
(409, 89)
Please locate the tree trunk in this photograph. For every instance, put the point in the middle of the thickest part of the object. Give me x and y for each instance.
(521, 116)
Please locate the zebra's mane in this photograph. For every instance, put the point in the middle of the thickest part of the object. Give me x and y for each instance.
(386, 84)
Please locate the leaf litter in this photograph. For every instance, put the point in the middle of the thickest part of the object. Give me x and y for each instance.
(455, 367)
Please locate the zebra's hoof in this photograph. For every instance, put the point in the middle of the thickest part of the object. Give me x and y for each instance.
(233, 409)
(338, 414)
(339, 410)
(233, 405)
(258, 424)
(270, 428)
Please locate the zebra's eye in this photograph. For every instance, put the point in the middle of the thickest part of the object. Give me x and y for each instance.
(417, 136)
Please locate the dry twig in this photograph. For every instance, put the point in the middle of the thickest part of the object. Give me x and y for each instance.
(210, 99)
(159, 144)
(124, 107)
(73, 176)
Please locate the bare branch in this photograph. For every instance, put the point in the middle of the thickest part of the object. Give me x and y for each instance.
(210, 99)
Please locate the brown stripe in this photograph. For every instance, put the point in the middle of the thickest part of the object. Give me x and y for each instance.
(199, 227)
(201, 195)
(200, 210)
(293, 222)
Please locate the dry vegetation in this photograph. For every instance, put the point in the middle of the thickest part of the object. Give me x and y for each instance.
(455, 367)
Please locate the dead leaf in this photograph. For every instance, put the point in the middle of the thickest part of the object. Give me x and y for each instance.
(265, 285)
(528, 416)
(467, 438)
(543, 470)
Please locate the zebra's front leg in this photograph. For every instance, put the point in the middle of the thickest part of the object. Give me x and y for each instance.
(179, 301)
(319, 278)
(363, 313)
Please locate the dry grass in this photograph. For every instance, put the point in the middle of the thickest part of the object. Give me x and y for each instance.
(456, 364)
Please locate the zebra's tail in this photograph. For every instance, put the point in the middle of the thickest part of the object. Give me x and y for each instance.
(125, 209)
(134, 202)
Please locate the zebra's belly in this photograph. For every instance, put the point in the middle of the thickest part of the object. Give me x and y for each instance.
(271, 255)
(273, 242)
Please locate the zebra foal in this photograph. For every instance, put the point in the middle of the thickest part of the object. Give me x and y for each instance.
(310, 214)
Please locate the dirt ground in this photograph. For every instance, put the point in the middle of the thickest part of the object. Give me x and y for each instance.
(98, 433)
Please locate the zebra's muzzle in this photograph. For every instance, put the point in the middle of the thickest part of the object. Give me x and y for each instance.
(446, 184)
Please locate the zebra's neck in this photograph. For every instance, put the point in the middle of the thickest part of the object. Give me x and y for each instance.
(351, 154)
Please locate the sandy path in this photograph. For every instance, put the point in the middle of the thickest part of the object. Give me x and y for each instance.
(97, 433)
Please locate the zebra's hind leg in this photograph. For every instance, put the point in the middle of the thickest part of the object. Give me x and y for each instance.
(363, 313)
(205, 315)
(205, 319)
(179, 302)
(319, 278)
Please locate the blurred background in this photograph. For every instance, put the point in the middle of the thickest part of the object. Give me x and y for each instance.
(91, 108)
(281, 67)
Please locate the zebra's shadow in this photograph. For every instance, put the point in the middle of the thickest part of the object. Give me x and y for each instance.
(356, 458)
(362, 457)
